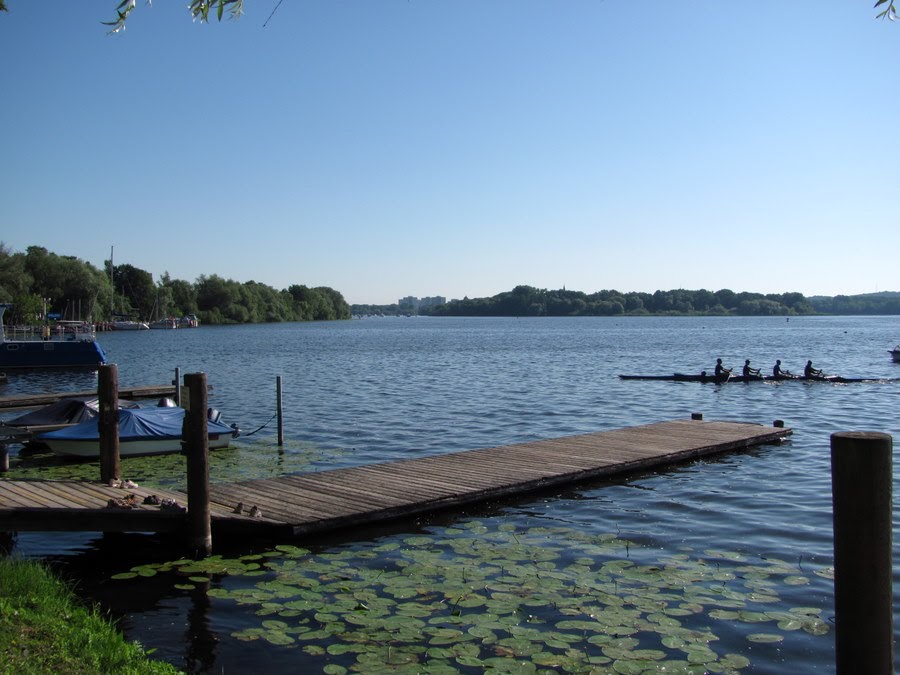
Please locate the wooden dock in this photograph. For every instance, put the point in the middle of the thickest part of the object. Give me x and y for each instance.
(319, 502)
(130, 393)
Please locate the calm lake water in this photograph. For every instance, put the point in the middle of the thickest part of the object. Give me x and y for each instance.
(721, 565)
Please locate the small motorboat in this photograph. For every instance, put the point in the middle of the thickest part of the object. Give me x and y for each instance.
(142, 431)
(895, 354)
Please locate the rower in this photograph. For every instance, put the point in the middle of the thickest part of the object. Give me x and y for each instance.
(722, 373)
(777, 372)
(810, 372)
(748, 371)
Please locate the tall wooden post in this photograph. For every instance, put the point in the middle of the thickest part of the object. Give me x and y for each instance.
(178, 387)
(279, 410)
(196, 444)
(861, 478)
(108, 422)
(4, 458)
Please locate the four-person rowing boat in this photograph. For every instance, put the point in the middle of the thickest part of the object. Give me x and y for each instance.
(712, 379)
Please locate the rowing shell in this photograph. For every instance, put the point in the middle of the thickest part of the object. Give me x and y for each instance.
(712, 379)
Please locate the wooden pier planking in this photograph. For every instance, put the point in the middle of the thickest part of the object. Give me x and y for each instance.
(321, 501)
(129, 393)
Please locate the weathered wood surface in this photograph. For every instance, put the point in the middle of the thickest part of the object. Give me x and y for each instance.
(330, 500)
(82, 506)
(35, 400)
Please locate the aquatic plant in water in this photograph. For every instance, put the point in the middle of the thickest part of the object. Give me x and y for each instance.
(493, 598)
(244, 459)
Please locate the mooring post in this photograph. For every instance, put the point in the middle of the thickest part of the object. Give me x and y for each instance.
(108, 422)
(4, 458)
(178, 387)
(861, 478)
(196, 445)
(279, 410)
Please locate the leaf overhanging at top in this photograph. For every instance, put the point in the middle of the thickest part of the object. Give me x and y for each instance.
(889, 12)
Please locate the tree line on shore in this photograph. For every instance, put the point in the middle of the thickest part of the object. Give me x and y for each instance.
(39, 280)
(530, 301)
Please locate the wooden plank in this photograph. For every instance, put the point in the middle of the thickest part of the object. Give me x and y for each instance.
(376, 476)
(42, 498)
(272, 508)
(380, 494)
(70, 494)
(316, 488)
(10, 496)
(35, 400)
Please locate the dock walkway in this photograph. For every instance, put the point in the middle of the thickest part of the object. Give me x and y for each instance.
(319, 502)
(35, 400)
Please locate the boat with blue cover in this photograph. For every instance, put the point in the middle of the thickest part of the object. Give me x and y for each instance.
(142, 431)
(70, 344)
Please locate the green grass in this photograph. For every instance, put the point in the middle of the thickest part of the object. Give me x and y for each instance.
(43, 629)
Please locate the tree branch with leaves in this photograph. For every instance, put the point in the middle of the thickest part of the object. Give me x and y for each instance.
(200, 9)
(889, 12)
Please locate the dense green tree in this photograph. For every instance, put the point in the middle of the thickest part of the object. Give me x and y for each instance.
(134, 292)
(77, 289)
(530, 301)
(184, 297)
(70, 286)
(27, 309)
(14, 279)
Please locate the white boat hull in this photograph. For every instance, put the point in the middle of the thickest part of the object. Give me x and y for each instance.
(128, 448)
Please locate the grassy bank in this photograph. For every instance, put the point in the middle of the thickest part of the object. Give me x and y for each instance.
(44, 629)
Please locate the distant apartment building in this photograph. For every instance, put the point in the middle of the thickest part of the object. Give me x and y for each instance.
(416, 304)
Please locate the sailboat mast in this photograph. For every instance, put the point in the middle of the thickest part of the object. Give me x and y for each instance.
(112, 285)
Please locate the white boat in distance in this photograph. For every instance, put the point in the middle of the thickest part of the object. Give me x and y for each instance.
(142, 431)
(130, 325)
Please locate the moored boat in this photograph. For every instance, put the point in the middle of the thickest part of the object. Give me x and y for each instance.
(142, 431)
(73, 346)
(130, 325)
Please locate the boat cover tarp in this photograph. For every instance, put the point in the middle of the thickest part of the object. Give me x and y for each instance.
(136, 424)
(64, 411)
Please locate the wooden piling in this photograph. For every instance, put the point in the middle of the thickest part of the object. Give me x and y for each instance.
(196, 445)
(279, 410)
(861, 478)
(4, 458)
(178, 387)
(108, 422)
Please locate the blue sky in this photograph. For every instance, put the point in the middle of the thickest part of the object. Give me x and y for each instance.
(459, 148)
